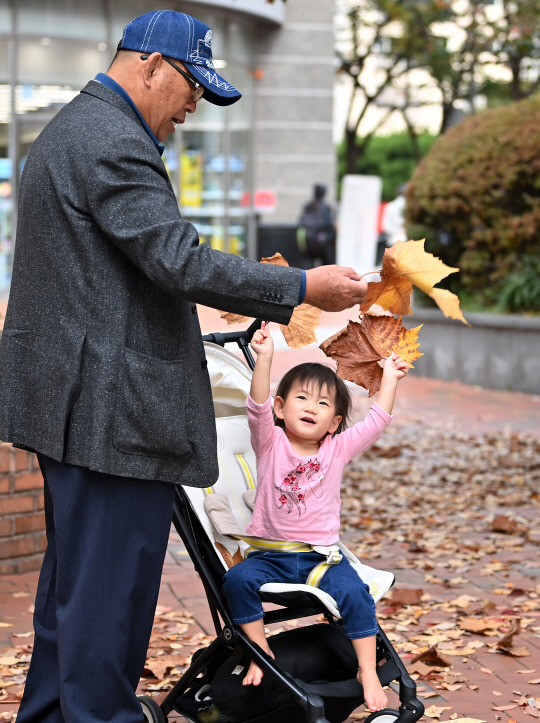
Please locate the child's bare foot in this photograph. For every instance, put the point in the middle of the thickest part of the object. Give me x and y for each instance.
(374, 695)
(253, 676)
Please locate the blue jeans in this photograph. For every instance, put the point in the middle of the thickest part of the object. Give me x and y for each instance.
(341, 581)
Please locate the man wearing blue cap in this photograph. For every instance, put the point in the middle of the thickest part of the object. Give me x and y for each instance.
(103, 367)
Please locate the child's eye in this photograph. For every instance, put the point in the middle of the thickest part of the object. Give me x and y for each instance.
(325, 404)
(301, 396)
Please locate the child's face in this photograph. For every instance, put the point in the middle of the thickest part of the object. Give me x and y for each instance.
(309, 413)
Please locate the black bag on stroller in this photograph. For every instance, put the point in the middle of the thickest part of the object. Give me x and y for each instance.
(319, 654)
(310, 654)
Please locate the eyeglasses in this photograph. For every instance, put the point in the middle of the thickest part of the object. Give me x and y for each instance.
(198, 90)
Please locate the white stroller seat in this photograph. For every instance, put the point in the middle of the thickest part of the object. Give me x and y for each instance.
(237, 477)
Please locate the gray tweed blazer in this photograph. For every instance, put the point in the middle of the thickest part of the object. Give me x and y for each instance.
(101, 359)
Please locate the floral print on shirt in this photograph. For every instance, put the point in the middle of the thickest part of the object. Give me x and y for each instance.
(292, 491)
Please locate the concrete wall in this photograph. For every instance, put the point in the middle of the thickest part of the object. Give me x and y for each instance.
(496, 351)
(293, 145)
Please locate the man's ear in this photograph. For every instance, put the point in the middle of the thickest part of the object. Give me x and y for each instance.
(149, 66)
(278, 407)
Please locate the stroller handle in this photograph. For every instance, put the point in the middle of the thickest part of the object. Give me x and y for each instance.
(242, 338)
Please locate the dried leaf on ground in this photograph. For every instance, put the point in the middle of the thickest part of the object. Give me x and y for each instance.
(433, 657)
(406, 596)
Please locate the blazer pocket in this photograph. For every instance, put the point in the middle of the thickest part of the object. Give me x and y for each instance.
(151, 407)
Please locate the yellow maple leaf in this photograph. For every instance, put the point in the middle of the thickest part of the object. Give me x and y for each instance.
(448, 303)
(406, 264)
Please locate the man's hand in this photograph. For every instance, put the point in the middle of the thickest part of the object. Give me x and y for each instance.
(334, 288)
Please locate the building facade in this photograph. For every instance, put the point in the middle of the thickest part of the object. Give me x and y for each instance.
(233, 169)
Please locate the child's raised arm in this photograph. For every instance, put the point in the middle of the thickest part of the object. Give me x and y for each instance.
(395, 368)
(263, 345)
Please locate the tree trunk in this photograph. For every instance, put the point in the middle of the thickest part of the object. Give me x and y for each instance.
(351, 152)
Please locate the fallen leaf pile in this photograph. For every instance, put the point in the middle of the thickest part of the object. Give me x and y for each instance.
(457, 519)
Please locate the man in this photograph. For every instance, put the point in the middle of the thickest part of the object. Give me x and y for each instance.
(103, 367)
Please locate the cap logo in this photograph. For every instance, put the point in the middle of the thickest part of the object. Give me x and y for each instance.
(203, 54)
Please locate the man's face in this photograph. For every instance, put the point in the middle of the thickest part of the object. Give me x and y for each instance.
(173, 99)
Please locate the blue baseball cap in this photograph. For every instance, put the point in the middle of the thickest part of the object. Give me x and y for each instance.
(181, 37)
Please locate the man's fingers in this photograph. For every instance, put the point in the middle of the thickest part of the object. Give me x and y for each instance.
(334, 288)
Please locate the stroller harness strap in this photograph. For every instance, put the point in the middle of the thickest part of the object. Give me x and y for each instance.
(333, 554)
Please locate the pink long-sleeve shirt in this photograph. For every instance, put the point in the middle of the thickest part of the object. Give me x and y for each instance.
(298, 498)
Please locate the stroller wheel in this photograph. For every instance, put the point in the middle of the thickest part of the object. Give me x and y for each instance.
(151, 710)
(388, 715)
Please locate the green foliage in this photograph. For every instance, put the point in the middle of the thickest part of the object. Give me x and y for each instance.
(521, 290)
(477, 194)
(391, 157)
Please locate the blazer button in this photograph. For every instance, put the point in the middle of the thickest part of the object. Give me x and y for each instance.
(280, 298)
(204, 363)
(194, 309)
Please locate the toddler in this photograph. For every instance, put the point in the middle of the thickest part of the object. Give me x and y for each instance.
(301, 450)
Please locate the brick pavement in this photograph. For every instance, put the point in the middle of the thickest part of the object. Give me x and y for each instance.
(478, 681)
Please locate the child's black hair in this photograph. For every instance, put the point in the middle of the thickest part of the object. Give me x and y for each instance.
(321, 376)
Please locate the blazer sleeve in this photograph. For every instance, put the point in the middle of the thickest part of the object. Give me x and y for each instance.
(134, 204)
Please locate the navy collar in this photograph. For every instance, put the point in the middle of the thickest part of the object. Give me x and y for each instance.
(113, 85)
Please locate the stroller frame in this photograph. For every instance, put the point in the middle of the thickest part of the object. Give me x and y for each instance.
(230, 637)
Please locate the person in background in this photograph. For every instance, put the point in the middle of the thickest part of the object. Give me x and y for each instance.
(394, 218)
(103, 366)
(317, 230)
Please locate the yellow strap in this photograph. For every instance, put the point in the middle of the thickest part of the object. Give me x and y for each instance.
(259, 543)
(246, 471)
(315, 576)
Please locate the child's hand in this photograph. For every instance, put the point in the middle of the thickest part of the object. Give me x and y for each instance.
(395, 367)
(262, 342)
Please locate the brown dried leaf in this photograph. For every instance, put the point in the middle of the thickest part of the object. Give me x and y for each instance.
(230, 560)
(433, 657)
(405, 596)
(507, 639)
(486, 626)
(392, 293)
(503, 523)
(300, 330)
(231, 318)
(359, 348)
(276, 260)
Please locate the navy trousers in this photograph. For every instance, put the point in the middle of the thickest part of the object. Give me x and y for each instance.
(97, 595)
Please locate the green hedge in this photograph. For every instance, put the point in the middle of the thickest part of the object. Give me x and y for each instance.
(476, 199)
(391, 157)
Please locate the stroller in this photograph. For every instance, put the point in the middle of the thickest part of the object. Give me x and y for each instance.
(313, 675)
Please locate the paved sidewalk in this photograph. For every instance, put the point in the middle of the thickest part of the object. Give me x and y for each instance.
(497, 582)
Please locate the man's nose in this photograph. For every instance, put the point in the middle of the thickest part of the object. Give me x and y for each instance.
(191, 107)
